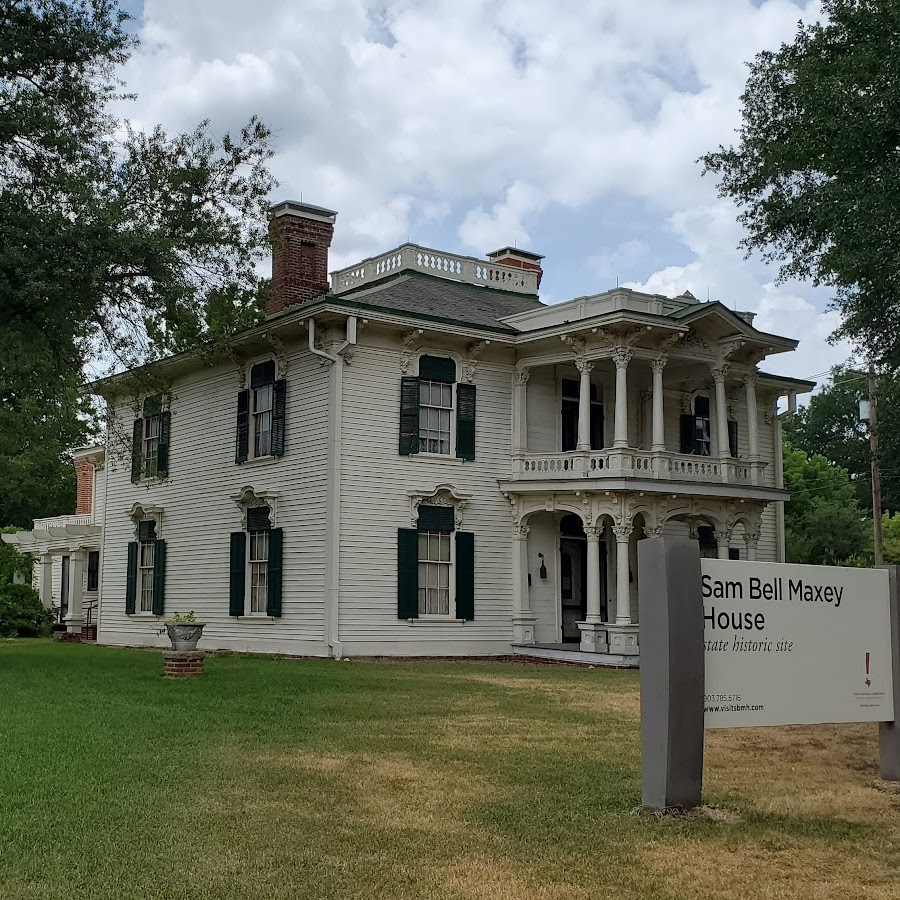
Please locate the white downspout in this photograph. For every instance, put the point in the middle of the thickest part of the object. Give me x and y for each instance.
(333, 496)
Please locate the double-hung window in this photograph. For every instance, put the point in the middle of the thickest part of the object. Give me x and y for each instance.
(256, 555)
(435, 412)
(435, 409)
(436, 567)
(145, 581)
(261, 414)
(258, 560)
(434, 573)
(150, 441)
(695, 428)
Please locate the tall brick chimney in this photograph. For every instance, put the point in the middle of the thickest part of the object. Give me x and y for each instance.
(87, 461)
(518, 259)
(301, 235)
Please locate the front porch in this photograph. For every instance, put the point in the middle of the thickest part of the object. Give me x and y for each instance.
(567, 653)
(575, 577)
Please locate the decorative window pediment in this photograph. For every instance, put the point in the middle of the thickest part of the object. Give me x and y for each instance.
(249, 498)
(145, 512)
(442, 495)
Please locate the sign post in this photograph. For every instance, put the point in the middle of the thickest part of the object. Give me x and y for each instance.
(671, 642)
(734, 644)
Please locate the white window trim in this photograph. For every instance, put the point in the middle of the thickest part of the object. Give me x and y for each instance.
(450, 615)
(251, 437)
(248, 580)
(454, 406)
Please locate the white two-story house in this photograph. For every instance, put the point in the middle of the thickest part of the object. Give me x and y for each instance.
(418, 457)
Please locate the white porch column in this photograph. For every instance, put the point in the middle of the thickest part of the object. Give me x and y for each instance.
(76, 589)
(593, 573)
(724, 542)
(584, 405)
(751, 539)
(47, 580)
(623, 588)
(621, 357)
(523, 620)
(752, 424)
(520, 411)
(721, 411)
(659, 431)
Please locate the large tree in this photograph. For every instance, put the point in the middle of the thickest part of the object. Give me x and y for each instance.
(824, 524)
(115, 245)
(830, 426)
(815, 170)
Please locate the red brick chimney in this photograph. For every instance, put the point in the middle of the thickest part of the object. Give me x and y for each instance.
(518, 259)
(301, 235)
(87, 459)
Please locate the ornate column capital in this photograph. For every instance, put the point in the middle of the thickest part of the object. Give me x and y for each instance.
(584, 366)
(623, 532)
(751, 538)
(593, 532)
(658, 364)
(720, 374)
(751, 379)
(652, 531)
(622, 356)
(520, 532)
(522, 376)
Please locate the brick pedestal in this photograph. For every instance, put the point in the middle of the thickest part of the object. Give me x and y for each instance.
(67, 637)
(183, 663)
(89, 633)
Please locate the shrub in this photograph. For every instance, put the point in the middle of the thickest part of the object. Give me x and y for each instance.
(21, 612)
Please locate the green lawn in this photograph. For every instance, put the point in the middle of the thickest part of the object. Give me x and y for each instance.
(277, 778)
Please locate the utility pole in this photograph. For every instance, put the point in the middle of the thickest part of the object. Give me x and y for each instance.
(876, 468)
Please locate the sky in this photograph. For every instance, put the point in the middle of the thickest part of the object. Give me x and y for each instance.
(570, 128)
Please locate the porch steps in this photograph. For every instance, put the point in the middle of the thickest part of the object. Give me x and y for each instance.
(564, 653)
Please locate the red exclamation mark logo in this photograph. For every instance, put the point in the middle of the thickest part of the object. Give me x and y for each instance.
(868, 682)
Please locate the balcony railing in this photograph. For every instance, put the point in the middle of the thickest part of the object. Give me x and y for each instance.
(628, 463)
(412, 257)
(62, 521)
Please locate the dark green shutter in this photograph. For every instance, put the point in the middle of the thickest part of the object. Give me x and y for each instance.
(465, 575)
(273, 601)
(407, 573)
(131, 578)
(437, 368)
(242, 441)
(137, 438)
(732, 437)
(465, 421)
(159, 577)
(409, 415)
(162, 452)
(436, 518)
(237, 569)
(279, 407)
(688, 434)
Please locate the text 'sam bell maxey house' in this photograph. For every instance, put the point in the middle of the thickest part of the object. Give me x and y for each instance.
(416, 457)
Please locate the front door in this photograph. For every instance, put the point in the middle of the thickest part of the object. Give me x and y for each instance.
(573, 578)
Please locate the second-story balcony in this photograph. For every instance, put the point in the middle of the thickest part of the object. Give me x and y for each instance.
(629, 463)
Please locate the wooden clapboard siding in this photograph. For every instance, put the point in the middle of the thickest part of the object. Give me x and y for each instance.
(200, 513)
(375, 486)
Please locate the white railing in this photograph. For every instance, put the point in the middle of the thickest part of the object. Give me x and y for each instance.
(412, 257)
(60, 521)
(629, 463)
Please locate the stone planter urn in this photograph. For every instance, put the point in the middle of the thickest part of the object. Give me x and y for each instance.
(184, 635)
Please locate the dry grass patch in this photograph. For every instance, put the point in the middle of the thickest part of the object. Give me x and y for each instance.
(578, 696)
(713, 869)
(397, 791)
(487, 878)
(819, 771)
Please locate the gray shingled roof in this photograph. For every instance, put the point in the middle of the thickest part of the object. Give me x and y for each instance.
(427, 295)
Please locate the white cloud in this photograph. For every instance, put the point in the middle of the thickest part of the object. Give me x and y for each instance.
(480, 117)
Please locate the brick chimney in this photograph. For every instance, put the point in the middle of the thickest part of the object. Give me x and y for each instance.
(87, 460)
(301, 235)
(518, 259)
